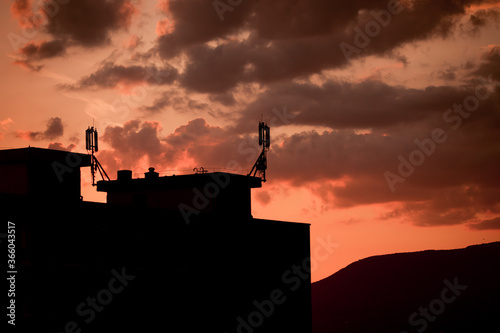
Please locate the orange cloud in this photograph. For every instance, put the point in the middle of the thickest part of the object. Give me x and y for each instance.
(132, 42)
(60, 146)
(26, 15)
(164, 27)
(54, 130)
(6, 122)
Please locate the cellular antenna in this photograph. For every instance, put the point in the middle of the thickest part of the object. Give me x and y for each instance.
(92, 146)
(260, 165)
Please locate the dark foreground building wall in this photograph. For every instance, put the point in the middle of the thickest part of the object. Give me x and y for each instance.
(43, 173)
(112, 267)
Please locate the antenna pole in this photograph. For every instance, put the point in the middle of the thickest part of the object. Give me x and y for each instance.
(260, 165)
(91, 144)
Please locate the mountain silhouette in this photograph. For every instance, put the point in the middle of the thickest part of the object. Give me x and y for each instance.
(429, 291)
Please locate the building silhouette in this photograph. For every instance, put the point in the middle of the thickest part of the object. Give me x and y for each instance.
(176, 253)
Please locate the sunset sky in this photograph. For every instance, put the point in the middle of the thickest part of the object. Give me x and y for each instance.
(384, 115)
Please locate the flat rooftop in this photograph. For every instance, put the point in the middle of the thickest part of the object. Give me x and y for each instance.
(221, 179)
(33, 154)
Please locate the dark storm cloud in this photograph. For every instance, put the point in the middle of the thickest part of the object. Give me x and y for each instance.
(493, 224)
(32, 52)
(287, 39)
(178, 102)
(54, 130)
(159, 104)
(290, 39)
(86, 23)
(448, 74)
(109, 75)
(458, 180)
(368, 104)
(481, 18)
(226, 99)
(457, 204)
(43, 50)
(490, 64)
(196, 22)
(216, 70)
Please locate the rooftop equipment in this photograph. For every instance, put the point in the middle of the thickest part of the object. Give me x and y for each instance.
(260, 165)
(91, 144)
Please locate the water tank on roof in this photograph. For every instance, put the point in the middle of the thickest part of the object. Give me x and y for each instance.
(124, 175)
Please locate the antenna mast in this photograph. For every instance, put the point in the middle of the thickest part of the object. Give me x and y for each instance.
(265, 142)
(92, 146)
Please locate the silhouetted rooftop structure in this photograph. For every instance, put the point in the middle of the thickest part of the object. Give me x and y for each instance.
(219, 270)
(41, 172)
(216, 193)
